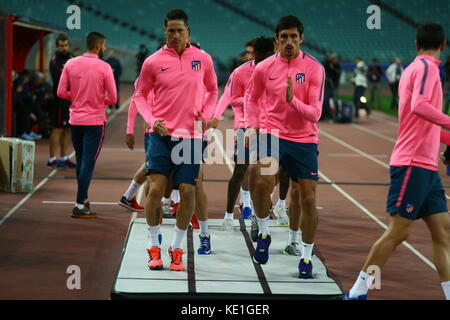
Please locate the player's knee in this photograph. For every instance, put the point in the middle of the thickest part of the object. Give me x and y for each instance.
(187, 192)
(309, 200)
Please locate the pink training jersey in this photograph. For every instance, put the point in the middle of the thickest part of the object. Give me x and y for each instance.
(262, 103)
(296, 121)
(178, 84)
(420, 116)
(132, 110)
(236, 87)
(88, 78)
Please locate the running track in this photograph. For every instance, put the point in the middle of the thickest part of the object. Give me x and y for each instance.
(38, 241)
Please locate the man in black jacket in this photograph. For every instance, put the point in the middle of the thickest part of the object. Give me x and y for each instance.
(60, 114)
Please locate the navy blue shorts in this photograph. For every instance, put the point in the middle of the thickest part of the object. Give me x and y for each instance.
(182, 156)
(146, 141)
(241, 153)
(415, 193)
(299, 160)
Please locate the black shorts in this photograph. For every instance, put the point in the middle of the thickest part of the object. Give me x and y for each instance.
(60, 113)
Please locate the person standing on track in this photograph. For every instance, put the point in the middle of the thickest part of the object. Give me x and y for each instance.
(84, 81)
(178, 75)
(293, 82)
(416, 191)
(60, 136)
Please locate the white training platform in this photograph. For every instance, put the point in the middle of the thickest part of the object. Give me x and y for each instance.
(228, 272)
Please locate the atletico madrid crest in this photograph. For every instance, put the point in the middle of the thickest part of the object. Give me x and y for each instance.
(196, 65)
(300, 78)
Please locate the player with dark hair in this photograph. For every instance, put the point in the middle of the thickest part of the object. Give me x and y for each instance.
(178, 74)
(60, 136)
(84, 81)
(416, 191)
(293, 82)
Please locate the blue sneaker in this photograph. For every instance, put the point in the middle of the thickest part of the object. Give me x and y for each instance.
(305, 269)
(246, 212)
(261, 255)
(57, 164)
(346, 296)
(205, 244)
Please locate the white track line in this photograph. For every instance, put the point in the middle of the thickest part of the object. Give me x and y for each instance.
(372, 132)
(228, 162)
(374, 218)
(28, 196)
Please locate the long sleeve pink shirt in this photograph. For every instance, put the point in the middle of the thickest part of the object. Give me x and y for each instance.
(295, 120)
(420, 116)
(132, 110)
(178, 84)
(236, 87)
(262, 103)
(88, 78)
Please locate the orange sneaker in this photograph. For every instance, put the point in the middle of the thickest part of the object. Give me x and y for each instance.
(177, 259)
(155, 262)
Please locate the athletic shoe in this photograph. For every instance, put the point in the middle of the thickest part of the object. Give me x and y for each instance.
(26, 137)
(227, 225)
(292, 249)
(83, 213)
(130, 204)
(205, 244)
(69, 164)
(261, 255)
(57, 164)
(175, 208)
(194, 222)
(166, 212)
(254, 229)
(305, 269)
(282, 218)
(346, 296)
(35, 136)
(246, 213)
(155, 262)
(177, 259)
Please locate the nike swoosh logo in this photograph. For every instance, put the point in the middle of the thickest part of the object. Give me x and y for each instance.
(164, 69)
(272, 78)
(314, 173)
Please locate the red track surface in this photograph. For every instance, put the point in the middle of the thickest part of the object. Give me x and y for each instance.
(39, 241)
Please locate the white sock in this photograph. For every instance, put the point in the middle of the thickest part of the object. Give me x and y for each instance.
(307, 251)
(446, 286)
(178, 238)
(153, 233)
(281, 202)
(79, 206)
(132, 189)
(65, 158)
(165, 200)
(245, 196)
(263, 225)
(52, 159)
(203, 226)
(175, 196)
(294, 236)
(229, 215)
(360, 286)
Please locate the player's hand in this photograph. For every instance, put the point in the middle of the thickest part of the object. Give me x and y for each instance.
(250, 135)
(203, 124)
(289, 93)
(160, 128)
(213, 123)
(445, 156)
(130, 141)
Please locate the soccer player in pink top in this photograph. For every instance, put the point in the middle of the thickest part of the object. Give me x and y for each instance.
(293, 82)
(178, 75)
(416, 191)
(84, 81)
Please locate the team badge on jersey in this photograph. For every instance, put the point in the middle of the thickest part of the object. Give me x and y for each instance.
(300, 78)
(196, 65)
(409, 208)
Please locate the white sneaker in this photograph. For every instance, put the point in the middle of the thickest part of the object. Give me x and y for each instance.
(227, 225)
(280, 212)
(167, 212)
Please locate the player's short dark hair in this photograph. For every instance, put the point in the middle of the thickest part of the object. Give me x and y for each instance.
(430, 35)
(176, 14)
(61, 37)
(93, 39)
(250, 43)
(289, 22)
(263, 45)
